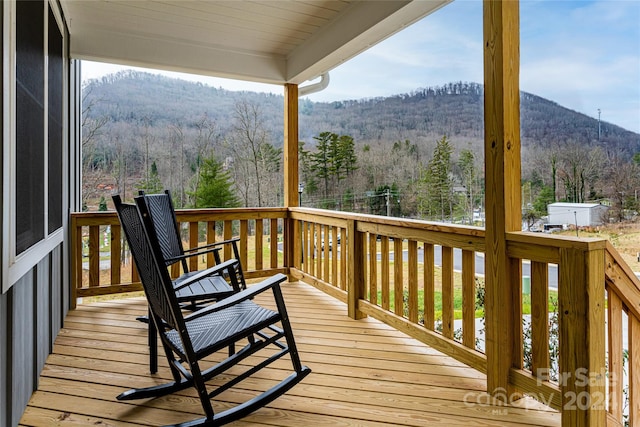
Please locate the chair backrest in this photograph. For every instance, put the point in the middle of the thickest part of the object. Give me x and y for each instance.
(163, 216)
(155, 279)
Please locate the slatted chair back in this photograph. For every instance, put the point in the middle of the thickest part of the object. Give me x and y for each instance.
(163, 218)
(156, 282)
(163, 215)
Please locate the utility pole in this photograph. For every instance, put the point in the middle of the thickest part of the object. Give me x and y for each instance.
(387, 197)
(599, 129)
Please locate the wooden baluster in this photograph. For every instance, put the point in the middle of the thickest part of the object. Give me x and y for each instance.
(373, 269)
(413, 280)
(515, 279)
(447, 291)
(334, 256)
(227, 234)
(193, 243)
(312, 252)
(540, 320)
(318, 251)
(326, 257)
(135, 276)
(469, 299)
(398, 280)
(259, 242)
(116, 250)
(384, 267)
(429, 286)
(244, 238)
(211, 238)
(273, 229)
(305, 246)
(616, 373)
(344, 253)
(94, 255)
(77, 262)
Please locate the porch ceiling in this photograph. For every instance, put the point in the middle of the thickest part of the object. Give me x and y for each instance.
(270, 41)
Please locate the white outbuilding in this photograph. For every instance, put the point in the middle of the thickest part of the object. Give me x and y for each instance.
(580, 214)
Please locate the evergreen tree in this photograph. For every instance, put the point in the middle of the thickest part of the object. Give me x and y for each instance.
(333, 161)
(320, 162)
(544, 199)
(347, 156)
(436, 201)
(215, 189)
(102, 207)
(468, 175)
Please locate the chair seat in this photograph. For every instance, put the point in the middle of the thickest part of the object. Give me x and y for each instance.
(212, 331)
(212, 286)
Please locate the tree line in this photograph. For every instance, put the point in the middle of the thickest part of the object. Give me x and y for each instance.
(235, 159)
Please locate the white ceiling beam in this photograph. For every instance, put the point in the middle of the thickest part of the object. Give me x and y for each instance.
(137, 50)
(359, 27)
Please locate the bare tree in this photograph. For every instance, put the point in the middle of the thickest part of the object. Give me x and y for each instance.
(93, 165)
(620, 185)
(177, 139)
(578, 170)
(252, 152)
(206, 137)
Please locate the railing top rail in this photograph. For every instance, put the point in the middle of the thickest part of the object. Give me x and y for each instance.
(95, 218)
(185, 215)
(218, 214)
(622, 280)
(385, 220)
(540, 239)
(240, 211)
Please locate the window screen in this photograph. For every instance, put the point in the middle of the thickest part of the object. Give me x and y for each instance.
(29, 124)
(55, 125)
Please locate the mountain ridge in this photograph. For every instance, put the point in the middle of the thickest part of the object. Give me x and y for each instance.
(421, 116)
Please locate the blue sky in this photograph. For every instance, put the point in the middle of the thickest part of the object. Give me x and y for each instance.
(584, 55)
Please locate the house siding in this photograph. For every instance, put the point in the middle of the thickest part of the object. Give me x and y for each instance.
(4, 345)
(32, 311)
(31, 314)
(21, 337)
(584, 214)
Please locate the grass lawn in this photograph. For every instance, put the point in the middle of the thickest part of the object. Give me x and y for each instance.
(457, 303)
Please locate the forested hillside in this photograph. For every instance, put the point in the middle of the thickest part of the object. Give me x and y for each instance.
(148, 131)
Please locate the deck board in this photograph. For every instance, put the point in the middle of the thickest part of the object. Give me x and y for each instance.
(365, 373)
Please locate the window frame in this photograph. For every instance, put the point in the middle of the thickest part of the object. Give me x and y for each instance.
(15, 266)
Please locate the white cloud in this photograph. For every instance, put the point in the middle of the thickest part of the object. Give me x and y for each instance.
(583, 55)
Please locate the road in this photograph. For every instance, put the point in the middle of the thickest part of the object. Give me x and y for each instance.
(457, 263)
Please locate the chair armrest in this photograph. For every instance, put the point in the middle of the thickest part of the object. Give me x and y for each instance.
(249, 293)
(218, 269)
(211, 245)
(189, 255)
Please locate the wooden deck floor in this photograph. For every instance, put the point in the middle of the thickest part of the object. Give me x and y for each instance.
(365, 373)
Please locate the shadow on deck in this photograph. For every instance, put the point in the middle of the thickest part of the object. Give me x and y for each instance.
(365, 373)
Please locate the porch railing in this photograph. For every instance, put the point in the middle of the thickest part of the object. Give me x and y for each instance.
(101, 265)
(591, 375)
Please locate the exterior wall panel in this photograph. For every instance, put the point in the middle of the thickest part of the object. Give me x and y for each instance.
(57, 291)
(31, 315)
(42, 319)
(22, 312)
(4, 348)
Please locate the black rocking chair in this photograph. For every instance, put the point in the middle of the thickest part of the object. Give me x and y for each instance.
(191, 288)
(188, 339)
